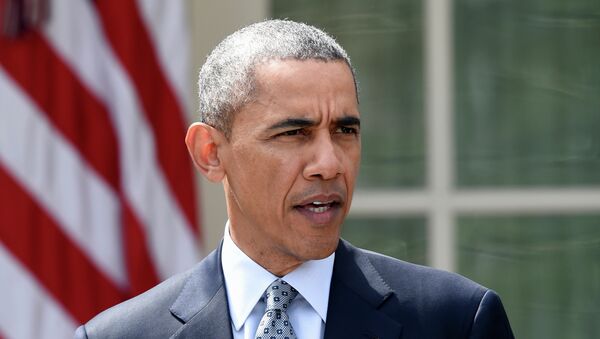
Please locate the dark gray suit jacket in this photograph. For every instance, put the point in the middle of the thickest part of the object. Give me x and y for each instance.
(372, 296)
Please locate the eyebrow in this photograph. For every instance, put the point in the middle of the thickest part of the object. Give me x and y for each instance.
(303, 123)
(348, 121)
(292, 122)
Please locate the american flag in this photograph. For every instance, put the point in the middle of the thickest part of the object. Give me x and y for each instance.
(97, 199)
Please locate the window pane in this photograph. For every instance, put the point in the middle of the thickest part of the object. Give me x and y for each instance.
(527, 84)
(384, 40)
(403, 238)
(546, 269)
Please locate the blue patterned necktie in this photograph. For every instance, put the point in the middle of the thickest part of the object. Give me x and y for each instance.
(275, 323)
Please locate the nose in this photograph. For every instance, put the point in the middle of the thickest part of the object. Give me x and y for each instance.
(324, 160)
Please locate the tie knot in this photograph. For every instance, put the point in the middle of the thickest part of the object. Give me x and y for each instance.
(279, 295)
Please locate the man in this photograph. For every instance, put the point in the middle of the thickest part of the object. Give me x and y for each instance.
(281, 130)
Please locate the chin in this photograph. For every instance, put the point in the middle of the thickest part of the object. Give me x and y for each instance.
(319, 250)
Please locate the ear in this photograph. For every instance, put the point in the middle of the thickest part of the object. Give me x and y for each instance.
(203, 143)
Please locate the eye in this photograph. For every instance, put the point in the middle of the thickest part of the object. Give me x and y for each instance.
(346, 130)
(292, 132)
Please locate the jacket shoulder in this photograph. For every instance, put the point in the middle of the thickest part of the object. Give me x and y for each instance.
(429, 288)
(146, 313)
(398, 273)
(432, 303)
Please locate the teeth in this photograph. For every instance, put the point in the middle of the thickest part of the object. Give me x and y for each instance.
(319, 206)
(319, 209)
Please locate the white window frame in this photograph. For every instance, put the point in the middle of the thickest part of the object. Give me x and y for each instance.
(440, 201)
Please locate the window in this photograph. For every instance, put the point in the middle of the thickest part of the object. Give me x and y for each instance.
(481, 150)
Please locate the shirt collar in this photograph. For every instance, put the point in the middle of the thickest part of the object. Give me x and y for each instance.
(246, 281)
(312, 279)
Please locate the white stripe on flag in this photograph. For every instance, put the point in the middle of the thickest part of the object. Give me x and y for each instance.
(173, 246)
(27, 310)
(53, 172)
(165, 21)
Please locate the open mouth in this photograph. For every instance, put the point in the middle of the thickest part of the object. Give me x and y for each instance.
(319, 206)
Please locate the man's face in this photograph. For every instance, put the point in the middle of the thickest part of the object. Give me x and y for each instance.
(292, 160)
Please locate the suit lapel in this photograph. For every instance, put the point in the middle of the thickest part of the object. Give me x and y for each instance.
(357, 294)
(202, 303)
(356, 297)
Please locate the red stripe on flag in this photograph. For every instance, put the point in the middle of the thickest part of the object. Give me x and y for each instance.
(140, 269)
(132, 44)
(79, 116)
(61, 267)
(84, 121)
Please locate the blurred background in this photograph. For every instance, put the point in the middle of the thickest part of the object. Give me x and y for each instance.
(481, 148)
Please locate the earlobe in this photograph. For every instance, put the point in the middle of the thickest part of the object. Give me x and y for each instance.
(203, 142)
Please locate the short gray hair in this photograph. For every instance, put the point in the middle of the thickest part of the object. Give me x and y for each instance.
(226, 81)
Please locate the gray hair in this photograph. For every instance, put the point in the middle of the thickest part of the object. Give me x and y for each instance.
(226, 81)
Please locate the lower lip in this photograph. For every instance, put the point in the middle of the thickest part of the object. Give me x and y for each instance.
(320, 218)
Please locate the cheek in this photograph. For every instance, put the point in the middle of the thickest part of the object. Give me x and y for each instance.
(352, 165)
(280, 173)
(266, 175)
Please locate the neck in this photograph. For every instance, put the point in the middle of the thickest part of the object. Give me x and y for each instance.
(268, 258)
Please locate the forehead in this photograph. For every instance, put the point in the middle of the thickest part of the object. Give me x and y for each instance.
(300, 88)
(315, 74)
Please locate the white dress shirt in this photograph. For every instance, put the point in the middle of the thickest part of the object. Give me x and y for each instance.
(246, 282)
